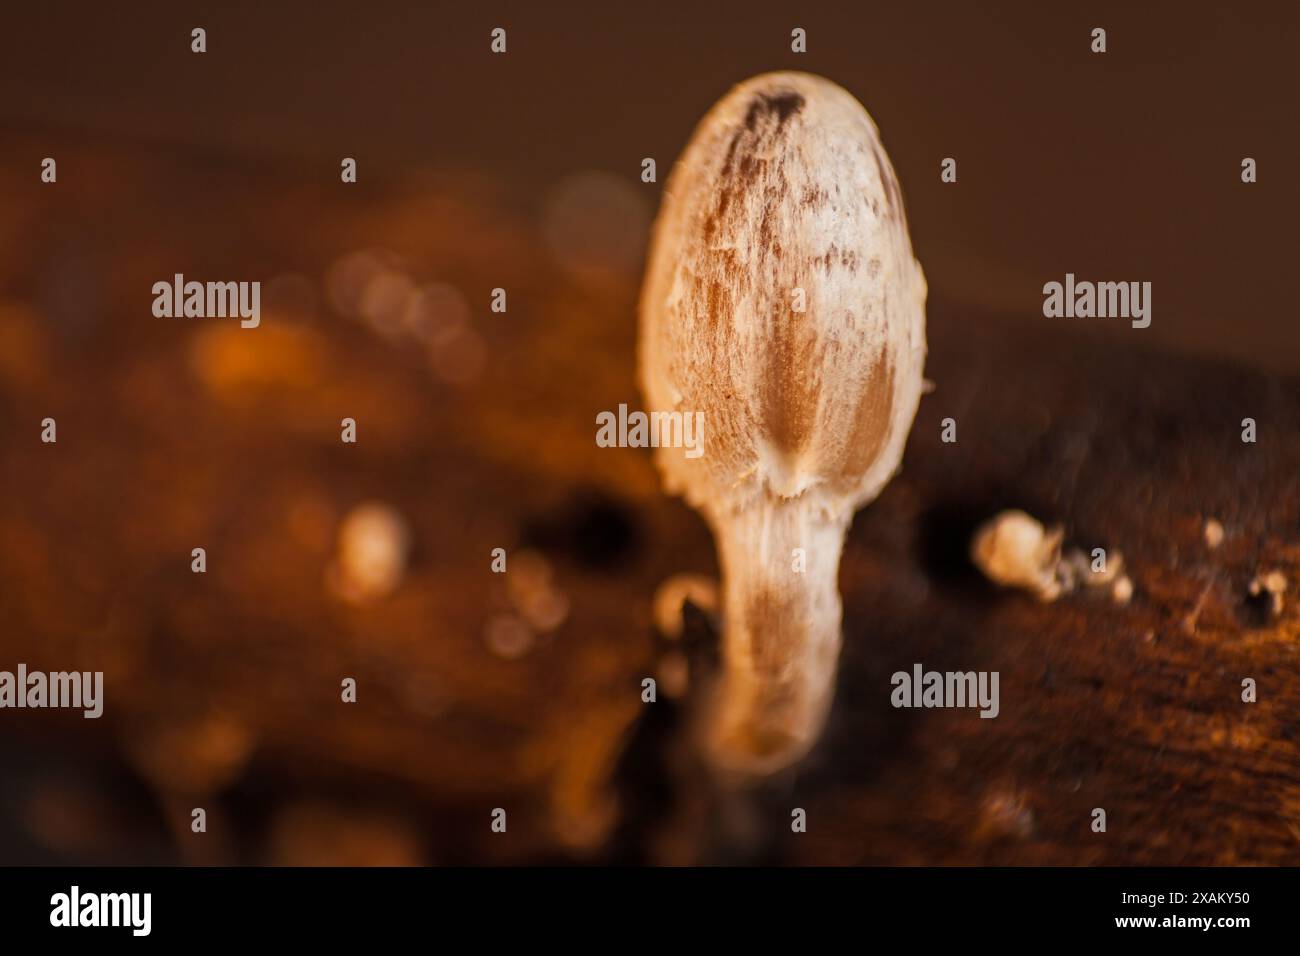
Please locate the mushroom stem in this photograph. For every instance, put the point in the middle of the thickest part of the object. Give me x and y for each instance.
(781, 635)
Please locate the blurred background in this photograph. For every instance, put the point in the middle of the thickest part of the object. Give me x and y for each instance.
(1122, 165)
(476, 431)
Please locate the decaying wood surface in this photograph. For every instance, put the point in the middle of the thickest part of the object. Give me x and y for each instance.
(223, 688)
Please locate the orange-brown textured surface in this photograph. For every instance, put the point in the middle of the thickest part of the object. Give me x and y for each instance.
(222, 689)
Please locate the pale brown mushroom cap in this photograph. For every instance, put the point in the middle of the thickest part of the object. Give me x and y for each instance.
(784, 185)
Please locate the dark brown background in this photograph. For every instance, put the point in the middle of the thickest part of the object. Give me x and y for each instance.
(1122, 166)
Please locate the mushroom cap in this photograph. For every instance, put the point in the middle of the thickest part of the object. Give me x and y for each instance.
(784, 192)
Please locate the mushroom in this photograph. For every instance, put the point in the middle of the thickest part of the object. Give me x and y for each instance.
(782, 300)
(1014, 549)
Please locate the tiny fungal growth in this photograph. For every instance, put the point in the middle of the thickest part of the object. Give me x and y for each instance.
(672, 595)
(374, 542)
(1273, 584)
(782, 300)
(1014, 550)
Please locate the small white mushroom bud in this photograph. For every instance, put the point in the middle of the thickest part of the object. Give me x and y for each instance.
(782, 301)
(1013, 549)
